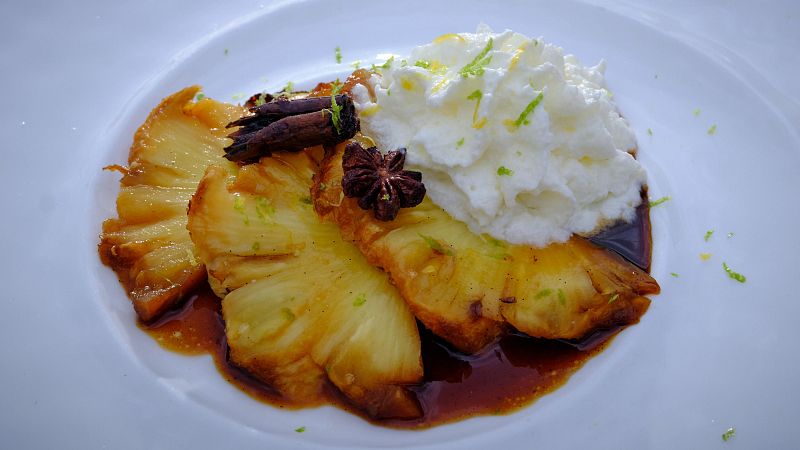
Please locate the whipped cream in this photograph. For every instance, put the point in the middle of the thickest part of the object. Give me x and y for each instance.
(513, 137)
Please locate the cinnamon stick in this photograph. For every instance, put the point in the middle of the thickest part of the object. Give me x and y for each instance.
(291, 125)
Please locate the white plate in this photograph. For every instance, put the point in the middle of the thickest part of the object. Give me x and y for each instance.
(710, 354)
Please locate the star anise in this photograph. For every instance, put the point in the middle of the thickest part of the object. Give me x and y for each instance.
(379, 181)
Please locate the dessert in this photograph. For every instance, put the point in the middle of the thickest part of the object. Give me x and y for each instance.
(442, 219)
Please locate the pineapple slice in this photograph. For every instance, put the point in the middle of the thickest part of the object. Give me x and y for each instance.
(148, 245)
(468, 288)
(302, 306)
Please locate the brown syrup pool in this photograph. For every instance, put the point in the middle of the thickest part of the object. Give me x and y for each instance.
(509, 374)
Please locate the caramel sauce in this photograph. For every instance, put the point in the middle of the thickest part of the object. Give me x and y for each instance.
(509, 374)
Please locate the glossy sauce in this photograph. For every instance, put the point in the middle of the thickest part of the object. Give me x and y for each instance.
(509, 374)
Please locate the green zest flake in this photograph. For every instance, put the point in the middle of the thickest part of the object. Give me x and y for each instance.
(199, 96)
(264, 209)
(385, 197)
(336, 110)
(712, 130)
(388, 92)
(477, 65)
(322, 186)
(730, 235)
(650, 131)
(562, 298)
(543, 293)
(728, 434)
(385, 65)
(675, 275)
(476, 95)
(460, 142)
(436, 246)
(289, 88)
(256, 246)
(504, 171)
(300, 430)
(238, 205)
(659, 201)
(708, 235)
(425, 64)
(360, 300)
(523, 116)
(356, 64)
(403, 63)
(338, 52)
(261, 99)
(306, 200)
(287, 314)
(613, 298)
(696, 112)
(735, 275)
(336, 87)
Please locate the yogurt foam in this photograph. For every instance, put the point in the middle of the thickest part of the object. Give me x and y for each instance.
(457, 105)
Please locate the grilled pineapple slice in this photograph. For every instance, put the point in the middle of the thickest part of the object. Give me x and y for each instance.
(467, 288)
(148, 245)
(302, 306)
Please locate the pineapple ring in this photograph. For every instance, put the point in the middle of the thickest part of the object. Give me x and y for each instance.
(302, 306)
(467, 288)
(148, 245)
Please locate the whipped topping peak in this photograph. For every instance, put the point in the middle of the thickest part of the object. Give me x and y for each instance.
(514, 138)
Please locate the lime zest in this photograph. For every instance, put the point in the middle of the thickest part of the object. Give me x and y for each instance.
(336, 110)
(675, 275)
(708, 235)
(300, 429)
(264, 209)
(542, 294)
(728, 434)
(475, 95)
(712, 130)
(523, 116)
(424, 63)
(261, 99)
(735, 275)
(613, 298)
(360, 300)
(460, 142)
(561, 297)
(504, 171)
(338, 53)
(478, 64)
(436, 246)
(659, 201)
